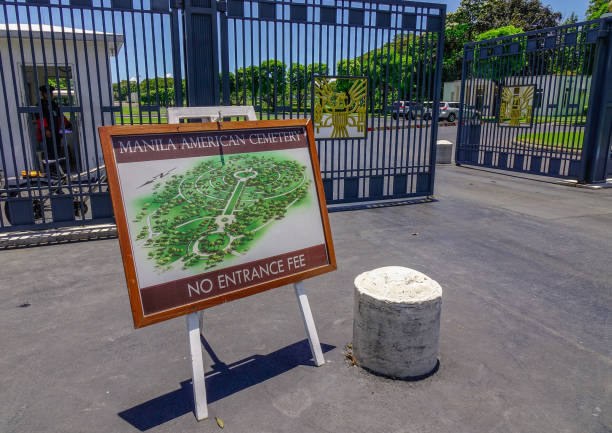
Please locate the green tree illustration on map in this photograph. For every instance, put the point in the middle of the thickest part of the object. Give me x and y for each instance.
(216, 211)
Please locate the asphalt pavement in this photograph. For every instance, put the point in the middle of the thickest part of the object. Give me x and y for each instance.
(525, 345)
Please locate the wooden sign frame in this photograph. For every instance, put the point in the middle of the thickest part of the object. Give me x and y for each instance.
(140, 318)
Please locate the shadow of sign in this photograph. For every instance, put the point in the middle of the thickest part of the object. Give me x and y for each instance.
(222, 381)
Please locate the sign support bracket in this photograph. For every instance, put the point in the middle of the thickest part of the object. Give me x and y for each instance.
(195, 328)
(197, 366)
(311, 330)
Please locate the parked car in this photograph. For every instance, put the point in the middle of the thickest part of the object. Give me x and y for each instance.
(450, 111)
(406, 109)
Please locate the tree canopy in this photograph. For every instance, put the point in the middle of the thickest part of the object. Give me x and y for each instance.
(597, 8)
(499, 32)
(476, 17)
(393, 69)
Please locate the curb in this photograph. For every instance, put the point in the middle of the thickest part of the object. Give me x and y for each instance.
(57, 236)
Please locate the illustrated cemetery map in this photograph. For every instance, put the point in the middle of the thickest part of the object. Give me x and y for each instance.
(217, 209)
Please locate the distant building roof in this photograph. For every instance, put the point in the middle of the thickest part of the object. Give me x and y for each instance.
(36, 31)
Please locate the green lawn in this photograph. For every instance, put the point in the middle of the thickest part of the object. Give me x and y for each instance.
(235, 198)
(561, 120)
(136, 120)
(571, 140)
(134, 115)
(125, 109)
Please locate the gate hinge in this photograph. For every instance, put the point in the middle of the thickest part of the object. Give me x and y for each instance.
(222, 6)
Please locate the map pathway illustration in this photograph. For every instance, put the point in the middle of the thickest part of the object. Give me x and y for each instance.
(215, 210)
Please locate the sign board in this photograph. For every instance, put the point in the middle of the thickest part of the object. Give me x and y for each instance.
(211, 212)
(340, 107)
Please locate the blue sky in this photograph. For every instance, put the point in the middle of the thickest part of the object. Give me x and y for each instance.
(136, 46)
(566, 7)
(269, 45)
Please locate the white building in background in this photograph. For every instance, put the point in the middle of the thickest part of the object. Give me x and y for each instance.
(555, 95)
(78, 55)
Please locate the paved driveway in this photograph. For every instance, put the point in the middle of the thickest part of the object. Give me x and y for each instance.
(525, 340)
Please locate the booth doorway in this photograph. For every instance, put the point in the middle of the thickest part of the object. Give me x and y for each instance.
(66, 96)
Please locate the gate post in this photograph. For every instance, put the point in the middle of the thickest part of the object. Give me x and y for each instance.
(436, 98)
(175, 34)
(201, 52)
(224, 51)
(596, 145)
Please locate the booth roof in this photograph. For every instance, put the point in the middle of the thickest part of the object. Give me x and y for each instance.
(45, 31)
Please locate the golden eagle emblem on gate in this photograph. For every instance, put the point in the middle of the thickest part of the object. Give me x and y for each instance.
(340, 107)
(516, 108)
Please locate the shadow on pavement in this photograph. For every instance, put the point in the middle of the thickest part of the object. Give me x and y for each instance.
(222, 381)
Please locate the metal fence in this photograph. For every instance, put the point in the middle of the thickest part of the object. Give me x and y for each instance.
(65, 69)
(531, 102)
(69, 66)
(277, 49)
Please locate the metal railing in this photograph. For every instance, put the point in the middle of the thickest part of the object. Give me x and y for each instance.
(69, 66)
(276, 49)
(528, 101)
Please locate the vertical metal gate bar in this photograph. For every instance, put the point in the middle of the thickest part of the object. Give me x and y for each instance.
(157, 104)
(590, 49)
(91, 114)
(224, 36)
(361, 163)
(10, 130)
(414, 97)
(598, 131)
(64, 143)
(437, 84)
(80, 91)
(422, 77)
(120, 96)
(383, 103)
(176, 57)
(19, 189)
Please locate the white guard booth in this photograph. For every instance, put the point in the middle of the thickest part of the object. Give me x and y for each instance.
(60, 54)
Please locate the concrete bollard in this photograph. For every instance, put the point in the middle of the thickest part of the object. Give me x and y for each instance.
(444, 152)
(396, 323)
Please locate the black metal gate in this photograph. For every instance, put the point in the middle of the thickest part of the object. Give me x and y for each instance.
(533, 102)
(270, 53)
(67, 67)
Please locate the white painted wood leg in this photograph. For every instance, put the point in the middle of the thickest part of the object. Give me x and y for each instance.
(197, 366)
(313, 338)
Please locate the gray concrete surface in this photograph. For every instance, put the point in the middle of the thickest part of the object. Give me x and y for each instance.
(396, 322)
(525, 339)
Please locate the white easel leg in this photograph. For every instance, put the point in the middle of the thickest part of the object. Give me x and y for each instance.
(309, 324)
(197, 366)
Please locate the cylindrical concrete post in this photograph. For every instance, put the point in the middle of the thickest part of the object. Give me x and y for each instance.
(396, 324)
